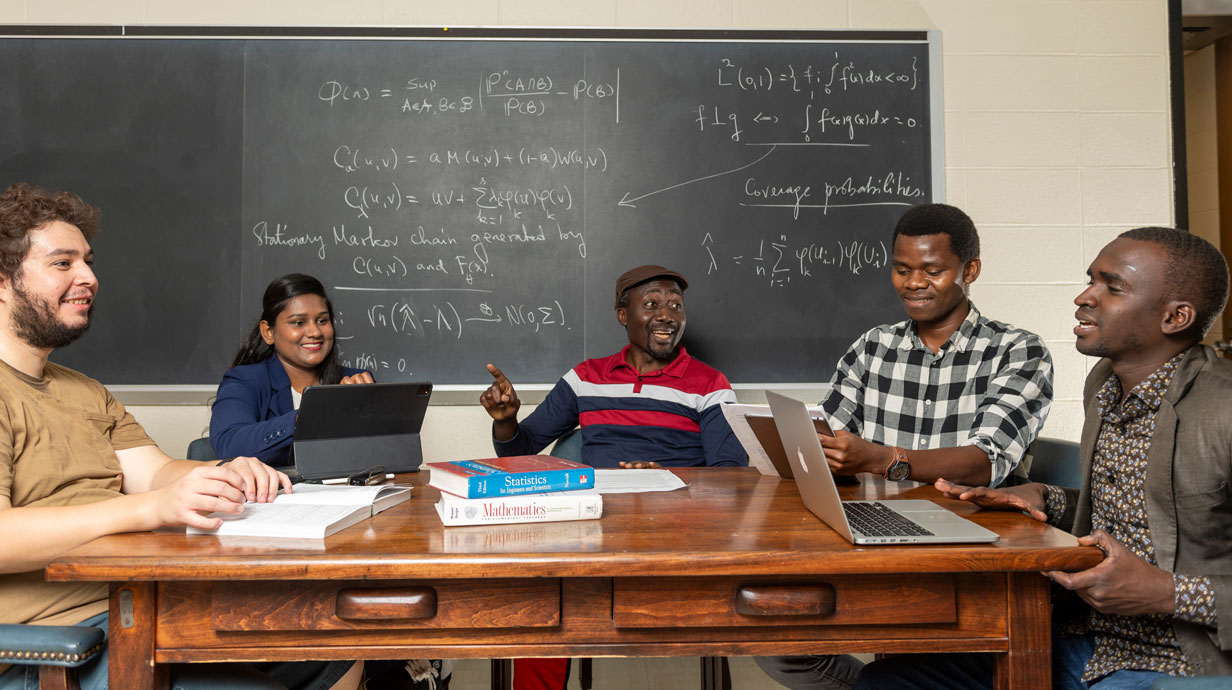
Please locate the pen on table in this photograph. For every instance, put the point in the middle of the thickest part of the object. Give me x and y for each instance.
(344, 480)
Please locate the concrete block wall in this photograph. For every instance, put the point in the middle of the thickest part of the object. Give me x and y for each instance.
(1056, 124)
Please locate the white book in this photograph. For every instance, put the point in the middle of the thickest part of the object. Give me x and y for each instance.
(554, 506)
(310, 511)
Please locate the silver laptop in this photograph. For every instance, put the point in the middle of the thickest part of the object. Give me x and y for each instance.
(898, 521)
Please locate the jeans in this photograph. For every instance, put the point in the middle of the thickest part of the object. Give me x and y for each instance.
(972, 671)
(300, 675)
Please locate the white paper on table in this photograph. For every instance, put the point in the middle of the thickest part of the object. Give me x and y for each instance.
(634, 481)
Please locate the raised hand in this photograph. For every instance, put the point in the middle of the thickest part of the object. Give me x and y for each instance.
(500, 399)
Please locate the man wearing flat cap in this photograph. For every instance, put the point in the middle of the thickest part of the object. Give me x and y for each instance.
(649, 405)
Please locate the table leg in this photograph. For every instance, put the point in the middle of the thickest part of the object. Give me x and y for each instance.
(130, 643)
(1028, 664)
(716, 675)
(502, 674)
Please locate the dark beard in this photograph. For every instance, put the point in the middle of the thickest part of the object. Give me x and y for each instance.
(37, 323)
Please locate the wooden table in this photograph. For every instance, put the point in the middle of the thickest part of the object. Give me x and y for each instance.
(733, 565)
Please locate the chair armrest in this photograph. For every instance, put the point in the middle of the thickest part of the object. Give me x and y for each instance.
(50, 645)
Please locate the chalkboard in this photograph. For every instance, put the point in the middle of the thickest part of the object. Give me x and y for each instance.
(471, 196)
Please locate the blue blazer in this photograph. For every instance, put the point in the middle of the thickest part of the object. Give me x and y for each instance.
(252, 413)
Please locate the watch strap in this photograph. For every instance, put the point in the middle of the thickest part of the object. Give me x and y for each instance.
(899, 458)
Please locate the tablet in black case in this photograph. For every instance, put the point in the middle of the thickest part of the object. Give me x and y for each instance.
(342, 430)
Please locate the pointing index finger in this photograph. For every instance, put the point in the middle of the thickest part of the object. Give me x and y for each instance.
(496, 374)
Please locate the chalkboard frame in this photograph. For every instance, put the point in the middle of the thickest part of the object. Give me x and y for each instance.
(463, 393)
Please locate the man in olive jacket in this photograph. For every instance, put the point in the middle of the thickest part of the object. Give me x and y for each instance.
(1156, 493)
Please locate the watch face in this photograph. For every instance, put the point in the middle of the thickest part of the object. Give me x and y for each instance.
(899, 471)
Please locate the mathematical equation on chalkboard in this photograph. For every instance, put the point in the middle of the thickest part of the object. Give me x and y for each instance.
(474, 193)
(479, 200)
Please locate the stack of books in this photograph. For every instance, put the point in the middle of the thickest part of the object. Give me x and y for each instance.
(520, 488)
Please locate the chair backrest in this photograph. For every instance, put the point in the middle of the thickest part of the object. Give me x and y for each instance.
(569, 446)
(200, 449)
(1055, 462)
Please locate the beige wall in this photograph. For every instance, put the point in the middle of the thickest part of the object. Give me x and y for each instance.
(1056, 125)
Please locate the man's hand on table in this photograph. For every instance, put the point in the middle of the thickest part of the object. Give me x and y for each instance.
(639, 465)
(216, 488)
(1029, 498)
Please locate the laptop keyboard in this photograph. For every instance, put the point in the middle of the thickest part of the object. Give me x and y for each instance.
(874, 519)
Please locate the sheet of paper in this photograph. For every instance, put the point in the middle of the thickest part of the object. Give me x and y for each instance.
(634, 481)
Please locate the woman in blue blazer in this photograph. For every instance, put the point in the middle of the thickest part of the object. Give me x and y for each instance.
(290, 348)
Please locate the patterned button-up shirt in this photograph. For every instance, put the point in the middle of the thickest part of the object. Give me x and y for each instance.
(1118, 506)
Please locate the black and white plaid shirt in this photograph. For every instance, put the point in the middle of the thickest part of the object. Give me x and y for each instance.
(990, 385)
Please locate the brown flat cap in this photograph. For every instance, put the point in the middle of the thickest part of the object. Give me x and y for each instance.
(642, 274)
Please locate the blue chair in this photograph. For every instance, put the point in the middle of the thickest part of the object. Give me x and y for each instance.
(200, 449)
(569, 446)
(1055, 462)
(56, 649)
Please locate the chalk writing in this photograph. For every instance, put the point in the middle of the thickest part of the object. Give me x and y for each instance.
(891, 189)
(779, 260)
(278, 235)
(404, 317)
(455, 200)
(366, 199)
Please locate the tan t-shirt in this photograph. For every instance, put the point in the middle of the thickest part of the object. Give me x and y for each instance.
(58, 438)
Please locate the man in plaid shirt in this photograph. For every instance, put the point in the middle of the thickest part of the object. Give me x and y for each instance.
(945, 394)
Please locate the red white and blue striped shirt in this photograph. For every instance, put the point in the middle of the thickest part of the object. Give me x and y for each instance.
(670, 416)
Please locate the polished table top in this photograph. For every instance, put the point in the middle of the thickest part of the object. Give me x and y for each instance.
(725, 522)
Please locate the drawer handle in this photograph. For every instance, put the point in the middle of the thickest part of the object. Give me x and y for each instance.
(384, 604)
(785, 600)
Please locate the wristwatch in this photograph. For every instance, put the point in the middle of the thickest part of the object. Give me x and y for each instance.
(899, 468)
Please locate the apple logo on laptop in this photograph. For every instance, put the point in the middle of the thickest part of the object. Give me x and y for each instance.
(800, 454)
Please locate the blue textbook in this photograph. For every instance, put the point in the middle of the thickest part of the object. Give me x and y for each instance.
(517, 474)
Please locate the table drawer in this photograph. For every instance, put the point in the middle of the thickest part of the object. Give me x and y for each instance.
(403, 604)
(741, 601)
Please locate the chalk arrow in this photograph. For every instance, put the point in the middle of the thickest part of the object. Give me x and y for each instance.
(626, 201)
